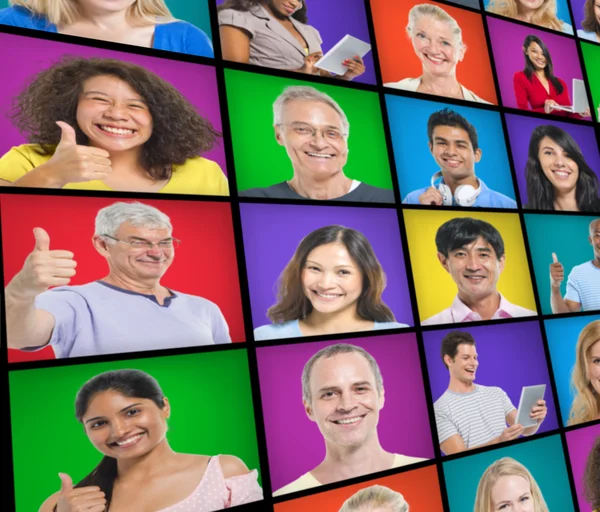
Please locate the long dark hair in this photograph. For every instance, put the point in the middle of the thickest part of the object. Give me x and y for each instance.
(131, 383)
(245, 5)
(292, 303)
(540, 191)
(548, 70)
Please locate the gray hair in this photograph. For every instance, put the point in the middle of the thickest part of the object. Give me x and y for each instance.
(591, 228)
(306, 93)
(110, 218)
(334, 350)
(375, 496)
(435, 12)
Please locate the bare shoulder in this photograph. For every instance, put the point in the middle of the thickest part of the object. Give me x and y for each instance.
(50, 503)
(232, 466)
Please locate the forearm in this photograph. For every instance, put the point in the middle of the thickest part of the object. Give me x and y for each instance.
(40, 177)
(24, 327)
(557, 302)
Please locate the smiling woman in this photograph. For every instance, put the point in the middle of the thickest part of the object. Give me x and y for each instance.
(105, 124)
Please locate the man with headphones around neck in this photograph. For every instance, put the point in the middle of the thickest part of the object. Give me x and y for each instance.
(453, 143)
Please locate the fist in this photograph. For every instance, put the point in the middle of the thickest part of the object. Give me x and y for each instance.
(557, 272)
(309, 63)
(431, 196)
(549, 106)
(88, 499)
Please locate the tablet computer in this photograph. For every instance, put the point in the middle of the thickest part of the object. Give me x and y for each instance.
(580, 102)
(346, 48)
(529, 397)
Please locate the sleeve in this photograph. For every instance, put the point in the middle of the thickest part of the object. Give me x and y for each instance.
(445, 428)
(222, 183)
(237, 19)
(16, 17)
(197, 42)
(220, 329)
(573, 288)
(244, 489)
(507, 405)
(521, 90)
(15, 164)
(412, 197)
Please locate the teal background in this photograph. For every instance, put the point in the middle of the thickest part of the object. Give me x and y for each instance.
(543, 458)
(565, 235)
(211, 413)
(562, 335)
(192, 11)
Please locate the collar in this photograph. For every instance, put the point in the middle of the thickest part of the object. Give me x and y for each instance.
(147, 296)
(463, 313)
(482, 184)
(260, 12)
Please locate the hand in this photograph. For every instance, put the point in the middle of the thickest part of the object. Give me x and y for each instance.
(549, 106)
(431, 196)
(557, 272)
(356, 67)
(309, 63)
(586, 113)
(539, 411)
(72, 163)
(510, 433)
(88, 499)
(43, 268)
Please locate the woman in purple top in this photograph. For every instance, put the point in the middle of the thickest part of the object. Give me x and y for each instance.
(146, 23)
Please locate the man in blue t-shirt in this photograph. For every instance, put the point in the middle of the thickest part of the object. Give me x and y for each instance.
(454, 145)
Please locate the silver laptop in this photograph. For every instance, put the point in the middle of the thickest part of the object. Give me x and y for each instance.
(580, 100)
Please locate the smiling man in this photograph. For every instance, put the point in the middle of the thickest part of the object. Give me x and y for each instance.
(454, 145)
(472, 252)
(126, 311)
(470, 415)
(342, 390)
(314, 131)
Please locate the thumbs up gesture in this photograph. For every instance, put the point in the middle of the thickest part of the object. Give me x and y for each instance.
(88, 499)
(557, 272)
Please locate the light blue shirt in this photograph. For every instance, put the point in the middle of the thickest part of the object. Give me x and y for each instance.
(567, 29)
(590, 36)
(291, 329)
(176, 36)
(487, 198)
(98, 318)
(583, 286)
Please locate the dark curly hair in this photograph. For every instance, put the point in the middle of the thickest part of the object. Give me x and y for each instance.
(591, 478)
(179, 132)
(245, 5)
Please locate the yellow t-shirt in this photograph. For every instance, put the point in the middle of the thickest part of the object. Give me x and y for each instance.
(196, 176)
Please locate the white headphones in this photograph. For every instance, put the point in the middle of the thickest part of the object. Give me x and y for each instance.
(465, 195)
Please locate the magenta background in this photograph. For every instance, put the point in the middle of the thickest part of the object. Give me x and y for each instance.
(28, 56)
(295, 444)
(580, 444)
(507, 43)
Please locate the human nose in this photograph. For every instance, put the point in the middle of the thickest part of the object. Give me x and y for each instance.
(327, 280)
(473, 262)
(346, 402)
(119, 428)
(116, 111)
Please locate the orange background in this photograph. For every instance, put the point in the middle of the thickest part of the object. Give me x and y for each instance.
(419, 487)
(397, 57)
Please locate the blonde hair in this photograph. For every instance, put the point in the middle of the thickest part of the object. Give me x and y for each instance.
(375, 496)
(506, 467)
(66, 12)
(436, 12)
(586, 404)
(545, 16)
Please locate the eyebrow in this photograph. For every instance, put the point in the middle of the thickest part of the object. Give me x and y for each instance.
(337, 266)
(87, 93)
(479, 249)
(438, 138)
(122, 410)
(326, 126)
(354, 384)
(146, 240)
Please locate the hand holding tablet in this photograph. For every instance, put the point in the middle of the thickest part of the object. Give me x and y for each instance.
(532, 406)
(346, 49)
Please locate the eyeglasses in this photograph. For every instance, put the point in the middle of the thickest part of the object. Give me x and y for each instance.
(308, 131)
(171, 243)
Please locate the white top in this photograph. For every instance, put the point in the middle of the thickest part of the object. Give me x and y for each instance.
(412, 84)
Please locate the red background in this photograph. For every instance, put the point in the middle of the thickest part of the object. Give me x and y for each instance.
(205, 263)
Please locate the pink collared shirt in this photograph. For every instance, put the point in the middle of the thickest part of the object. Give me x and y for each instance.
(459, 312)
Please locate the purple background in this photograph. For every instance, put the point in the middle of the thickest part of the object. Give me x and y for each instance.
(510, 356)
(295, 444)
(28, 56)
(272, 232)
(507, 45)
(580, 444)
(578, 14)
(336, 18)
(519, 132)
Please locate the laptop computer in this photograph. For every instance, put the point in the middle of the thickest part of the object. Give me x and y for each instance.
(580, 100)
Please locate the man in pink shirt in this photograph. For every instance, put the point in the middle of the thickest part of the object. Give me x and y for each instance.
(472, 252)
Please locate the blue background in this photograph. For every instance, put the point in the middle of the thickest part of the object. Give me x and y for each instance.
(562, 335)
(562, 11)
(544, 458)
(414, 163)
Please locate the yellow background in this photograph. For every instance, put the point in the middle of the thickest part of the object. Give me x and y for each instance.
(434, 286)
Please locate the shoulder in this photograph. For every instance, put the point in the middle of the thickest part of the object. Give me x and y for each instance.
(403, 460)
(275, 331)
(443, 400)
(279, 190)
(500, 200)
(32, 152)
(583, 34)
(196, 299)
(50, 503)
(232, 466)
(520, 76)
(413, 197)
(306, 481)
(387, 325)
(407, 84)
(184, 37)
(471, 96)
(567, 28)
(581, 269)
(441, 317)
(366, 192)
(199, 163)
(17, 16)
(236, 18)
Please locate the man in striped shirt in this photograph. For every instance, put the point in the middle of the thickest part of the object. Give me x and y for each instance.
(470, 415)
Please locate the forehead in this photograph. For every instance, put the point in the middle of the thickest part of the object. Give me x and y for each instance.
(311, 111)
(128, 229)
(595, 227)
(509, 487)
(339, 369)
(434, 26)
(548, 142)
(107, 402)
(595, 349)
(534, 47)
(479, 244)
(466, 349)
(451, 132)
(111, 85)
(335, 252)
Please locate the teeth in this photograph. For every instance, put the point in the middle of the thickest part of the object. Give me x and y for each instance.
(117, 131)
(328, 295)
(129, 440)
(348, 421)
(561, 174)
(319, 155)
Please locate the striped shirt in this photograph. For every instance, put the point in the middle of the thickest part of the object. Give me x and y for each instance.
(478, 416)
(583, 286)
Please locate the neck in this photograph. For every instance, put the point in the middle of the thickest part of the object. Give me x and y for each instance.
(525, 15)
(454, 183)
(459, 386)
(148, 287)
(331, 323)
(485, 306)
(334, 186)
(441, 85)
(566, 201)
(596, 263)
(105, 20)
(541, 73)
(141, 468)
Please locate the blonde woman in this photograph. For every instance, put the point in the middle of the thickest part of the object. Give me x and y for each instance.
(146, 23)
(536, 12)
(375, 498)
(586, 376)
(508, 485)
(437, 41)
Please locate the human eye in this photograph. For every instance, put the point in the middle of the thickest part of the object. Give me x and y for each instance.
(328, 394)
(133, 412)
(344, 272)
(99, 99)
(459, 254)
(301, 129)
(98, 424)
(333, 134)
(166, 244)
(138, 244)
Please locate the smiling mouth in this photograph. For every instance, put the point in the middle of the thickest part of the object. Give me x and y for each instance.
(327, 296)
(475, 279)
(435, 60)
(561, 174)
(320, 156)
(115, 131)
(128, 441)
(452, 162)
(349, 421)
(540, 63)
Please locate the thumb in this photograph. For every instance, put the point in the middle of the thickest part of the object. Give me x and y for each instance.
(42, 239)
(554, 258)
(68, 135)
(66, 483)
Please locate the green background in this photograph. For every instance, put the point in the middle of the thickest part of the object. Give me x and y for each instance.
(567, 236)
(591, 57)
(543, 458)
(211, 413)
(192, 11)
(260, 161)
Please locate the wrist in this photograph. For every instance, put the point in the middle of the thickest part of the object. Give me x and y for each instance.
(47, 176)
(15, 293)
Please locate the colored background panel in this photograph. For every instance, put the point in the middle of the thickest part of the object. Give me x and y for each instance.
(519, 133)
(515, 346)
(260, 161)
(507, 44)
(294, 442)
(565, 235)
(578, 7)
(419, 487)
(205, 263)
(408, 125)
(580, 443)
(272, 233)
(29, 56)
(218, 426)
(193, 12)
(397, 57)
(562, 335)
(434, 286)
(562, 9)
(462, 475)
(336, 18)
(591, 57)
(467, 3)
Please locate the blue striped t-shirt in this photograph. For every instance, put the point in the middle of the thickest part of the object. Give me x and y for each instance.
(583, 286)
